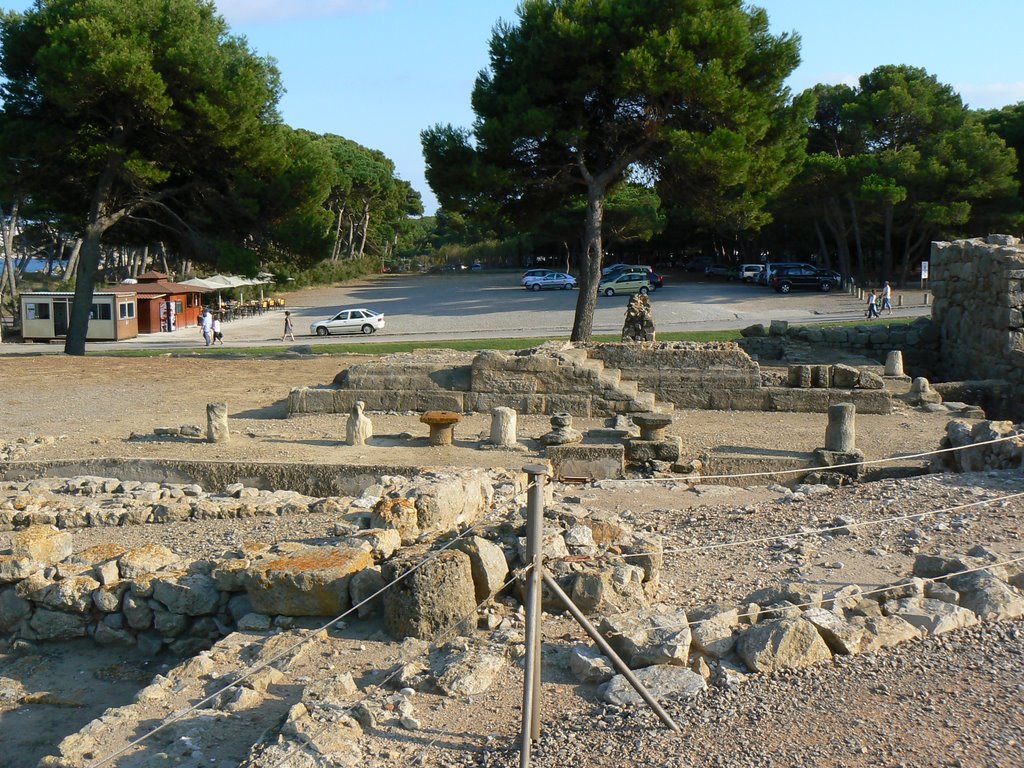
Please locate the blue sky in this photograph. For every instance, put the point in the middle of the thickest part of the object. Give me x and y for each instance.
(380, 71)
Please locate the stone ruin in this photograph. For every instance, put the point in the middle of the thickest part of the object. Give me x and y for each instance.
(639, 324)
(596, 380)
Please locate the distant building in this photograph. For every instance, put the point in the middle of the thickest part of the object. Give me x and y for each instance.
(150, 305)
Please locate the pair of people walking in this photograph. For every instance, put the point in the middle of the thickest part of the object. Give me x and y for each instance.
(873, 310)
(209, 325)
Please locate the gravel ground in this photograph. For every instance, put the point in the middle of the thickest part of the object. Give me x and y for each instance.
(948, 701)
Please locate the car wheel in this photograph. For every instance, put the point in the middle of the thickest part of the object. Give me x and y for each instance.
(826, 287)
(535, 287)
(643, 290)
(609, 291)
(321, 331)
(566, 286)
(784, 287)
(368, 329)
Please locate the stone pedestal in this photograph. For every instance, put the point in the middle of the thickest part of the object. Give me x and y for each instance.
(652, 425)
(666, 449)
(503, 428)
(442, 426)
(841, 433)
(562, 432)
(894, 363)
(359, 428)
(217, 423)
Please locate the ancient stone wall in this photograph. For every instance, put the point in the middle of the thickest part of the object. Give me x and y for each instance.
(918, 341)
(978, 286)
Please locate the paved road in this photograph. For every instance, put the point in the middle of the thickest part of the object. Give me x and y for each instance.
(491, 304)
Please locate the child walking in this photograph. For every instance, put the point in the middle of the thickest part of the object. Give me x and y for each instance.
(872, 305)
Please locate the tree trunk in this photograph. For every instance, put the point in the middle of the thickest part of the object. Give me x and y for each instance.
(72, 266)
(366, 227)
(590, 264)
(336, 250)
(85, 284)
(887, 243)
(7, 236)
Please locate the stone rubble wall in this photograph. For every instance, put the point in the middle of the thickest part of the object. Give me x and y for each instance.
(798, 625)
(149, 597)
(978, 287)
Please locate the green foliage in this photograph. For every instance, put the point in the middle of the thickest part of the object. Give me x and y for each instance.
(579, 94)
(289, 277)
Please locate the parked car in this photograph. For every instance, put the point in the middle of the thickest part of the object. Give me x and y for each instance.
(765, 278)
(748, 273)
(537, 273)
(550, 280)
(349, 321)
(625, 282)
(717, 270)
(656, 280)
(614, 268)
(786, 279)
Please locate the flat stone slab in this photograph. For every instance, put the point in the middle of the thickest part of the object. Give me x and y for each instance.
(598, 462)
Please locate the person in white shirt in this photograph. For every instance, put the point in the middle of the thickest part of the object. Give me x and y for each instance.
(887, 297)
(206, 325)
(217, 334)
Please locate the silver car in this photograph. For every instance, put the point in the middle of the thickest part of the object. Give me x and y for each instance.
(360, 320)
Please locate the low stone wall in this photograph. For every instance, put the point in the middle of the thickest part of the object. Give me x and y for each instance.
(918, 341)
(309, 479)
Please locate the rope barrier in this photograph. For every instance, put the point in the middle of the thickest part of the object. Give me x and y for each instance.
(433, 555)
(820, 531)
(777, 472)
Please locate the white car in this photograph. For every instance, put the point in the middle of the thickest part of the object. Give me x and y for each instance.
(349, 321)
(550, 280)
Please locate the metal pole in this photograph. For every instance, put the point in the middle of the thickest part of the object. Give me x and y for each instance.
(606, 649)
(537, 474)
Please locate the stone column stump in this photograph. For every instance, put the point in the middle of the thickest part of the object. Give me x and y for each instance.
(652, 425)
(217, 423)
(894, 363)
(442, 426)
(503, 428)
(841, 432)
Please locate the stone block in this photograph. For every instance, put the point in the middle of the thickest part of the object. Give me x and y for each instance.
(440, 593)
(490, 568)
(310, 582)
(43, 543)
(668, 449)
(782, 644)
(598, 462)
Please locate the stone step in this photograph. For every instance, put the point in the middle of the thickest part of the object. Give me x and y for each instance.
(629, 387)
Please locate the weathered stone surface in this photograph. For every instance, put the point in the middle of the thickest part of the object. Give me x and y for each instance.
(841, 432)
(782, 644)
(589, 665)
(885, 632)
(58, 625)
(609, 590)
(991, 598)
(217, 430)
(599, 462)
(503, 428)
(845, 376)
(870, 380)
(894, 363)
(490, 568)
(470, 672)
(646, 637)
(364, 586)
(439, 594)
(667, 449)
(712, 629)
(662, 682)
(148, 558)
(358, 428)
(840, 636)
(310, 582)
(933, 617)
(13, 609)
(191, 594)
(74, 594)
(399, 515)
(14, 568)
(43, 543)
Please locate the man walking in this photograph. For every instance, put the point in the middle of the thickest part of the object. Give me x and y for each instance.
(887, 297)
(206, 324)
